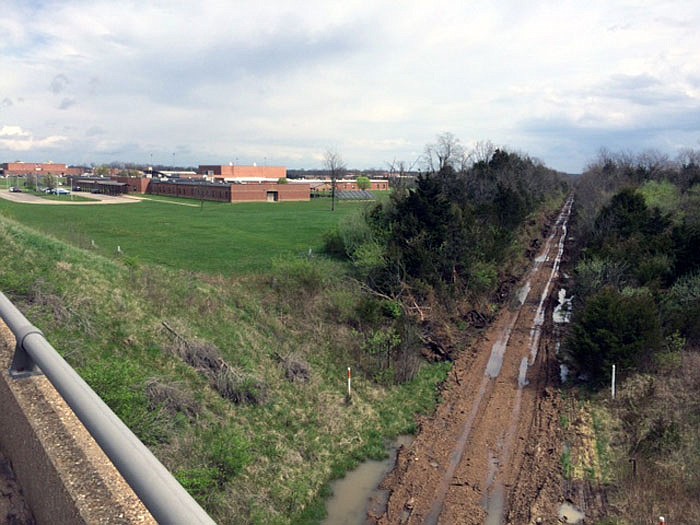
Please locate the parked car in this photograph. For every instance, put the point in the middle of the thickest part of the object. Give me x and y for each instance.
(15, 189)
(59, 191)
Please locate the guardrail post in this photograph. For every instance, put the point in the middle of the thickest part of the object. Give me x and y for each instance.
(23, 365)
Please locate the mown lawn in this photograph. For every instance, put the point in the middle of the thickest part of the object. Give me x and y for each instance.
(213, 238)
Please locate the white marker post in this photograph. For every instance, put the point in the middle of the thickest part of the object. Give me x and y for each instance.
(349, 383)
(612, 385)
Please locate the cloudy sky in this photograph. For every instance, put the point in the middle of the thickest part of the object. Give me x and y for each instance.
(279, 82)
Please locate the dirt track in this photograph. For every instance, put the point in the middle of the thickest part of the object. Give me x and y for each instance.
(491, 453)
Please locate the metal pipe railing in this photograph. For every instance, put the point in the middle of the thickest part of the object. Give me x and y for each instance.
(167, 501)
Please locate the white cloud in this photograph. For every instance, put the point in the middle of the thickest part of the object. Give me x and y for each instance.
(14, 138)
(13, 132)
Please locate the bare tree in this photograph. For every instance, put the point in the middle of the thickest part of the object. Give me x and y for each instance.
(446, 151)
(335, 167)
(400, 172)
(482, 151)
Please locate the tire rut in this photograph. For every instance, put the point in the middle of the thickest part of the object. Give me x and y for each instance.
(467, 459)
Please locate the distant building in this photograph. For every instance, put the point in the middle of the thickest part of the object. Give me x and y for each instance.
(99, 185)
(134, 184)
(233, 173)
(231, 192)
(322, 185)
(22, 169)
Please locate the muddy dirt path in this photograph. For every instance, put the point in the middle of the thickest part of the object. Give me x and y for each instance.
(490, 454)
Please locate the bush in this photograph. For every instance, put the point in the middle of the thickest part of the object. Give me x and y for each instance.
(300, 277)
(615, 328)
(681, 307)
(227, 451)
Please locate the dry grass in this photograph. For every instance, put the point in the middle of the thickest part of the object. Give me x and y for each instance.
(660, 430)
(231, 383)
(173, 397)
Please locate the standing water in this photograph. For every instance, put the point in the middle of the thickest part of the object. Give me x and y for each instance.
(352, 494)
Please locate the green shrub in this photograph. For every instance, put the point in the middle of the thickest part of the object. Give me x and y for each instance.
(681, 307)
(615, 328)
(300, 275)
(226, 450)
(483, 277)
(333, 244)
(199, 482)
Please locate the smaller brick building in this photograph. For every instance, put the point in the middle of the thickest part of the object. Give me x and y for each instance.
(99, 185)
(322, 185)
(248, 192)
(134, 184)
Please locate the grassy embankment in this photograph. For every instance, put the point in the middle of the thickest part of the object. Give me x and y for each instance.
(246, 403)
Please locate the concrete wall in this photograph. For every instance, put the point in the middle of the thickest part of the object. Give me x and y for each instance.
(64, 475)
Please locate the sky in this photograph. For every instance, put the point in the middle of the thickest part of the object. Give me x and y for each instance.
(281, 82)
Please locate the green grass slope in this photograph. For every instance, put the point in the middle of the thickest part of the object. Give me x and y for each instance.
(236, 383)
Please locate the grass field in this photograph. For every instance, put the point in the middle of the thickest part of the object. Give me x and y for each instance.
(215, 238)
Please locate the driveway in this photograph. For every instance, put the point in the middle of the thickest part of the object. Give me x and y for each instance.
(98, 198)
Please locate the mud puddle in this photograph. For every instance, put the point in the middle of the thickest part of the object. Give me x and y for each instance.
(354, 494)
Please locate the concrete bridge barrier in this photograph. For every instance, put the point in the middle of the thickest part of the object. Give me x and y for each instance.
(64, 475)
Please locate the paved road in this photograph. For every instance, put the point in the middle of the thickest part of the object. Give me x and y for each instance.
(28, 198)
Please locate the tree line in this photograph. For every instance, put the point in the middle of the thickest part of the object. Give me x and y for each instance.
(637, 291)
(439, 244)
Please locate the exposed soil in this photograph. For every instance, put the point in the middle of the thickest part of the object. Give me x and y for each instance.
(491, 452)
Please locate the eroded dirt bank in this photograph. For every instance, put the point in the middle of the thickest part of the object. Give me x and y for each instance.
(491, 453)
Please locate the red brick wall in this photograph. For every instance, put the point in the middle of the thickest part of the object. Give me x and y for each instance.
(135, 184)
(252, 192)
(259, 192)
(28, 168)
(209, 192)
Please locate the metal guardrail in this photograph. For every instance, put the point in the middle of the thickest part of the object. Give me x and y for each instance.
(167, 501)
